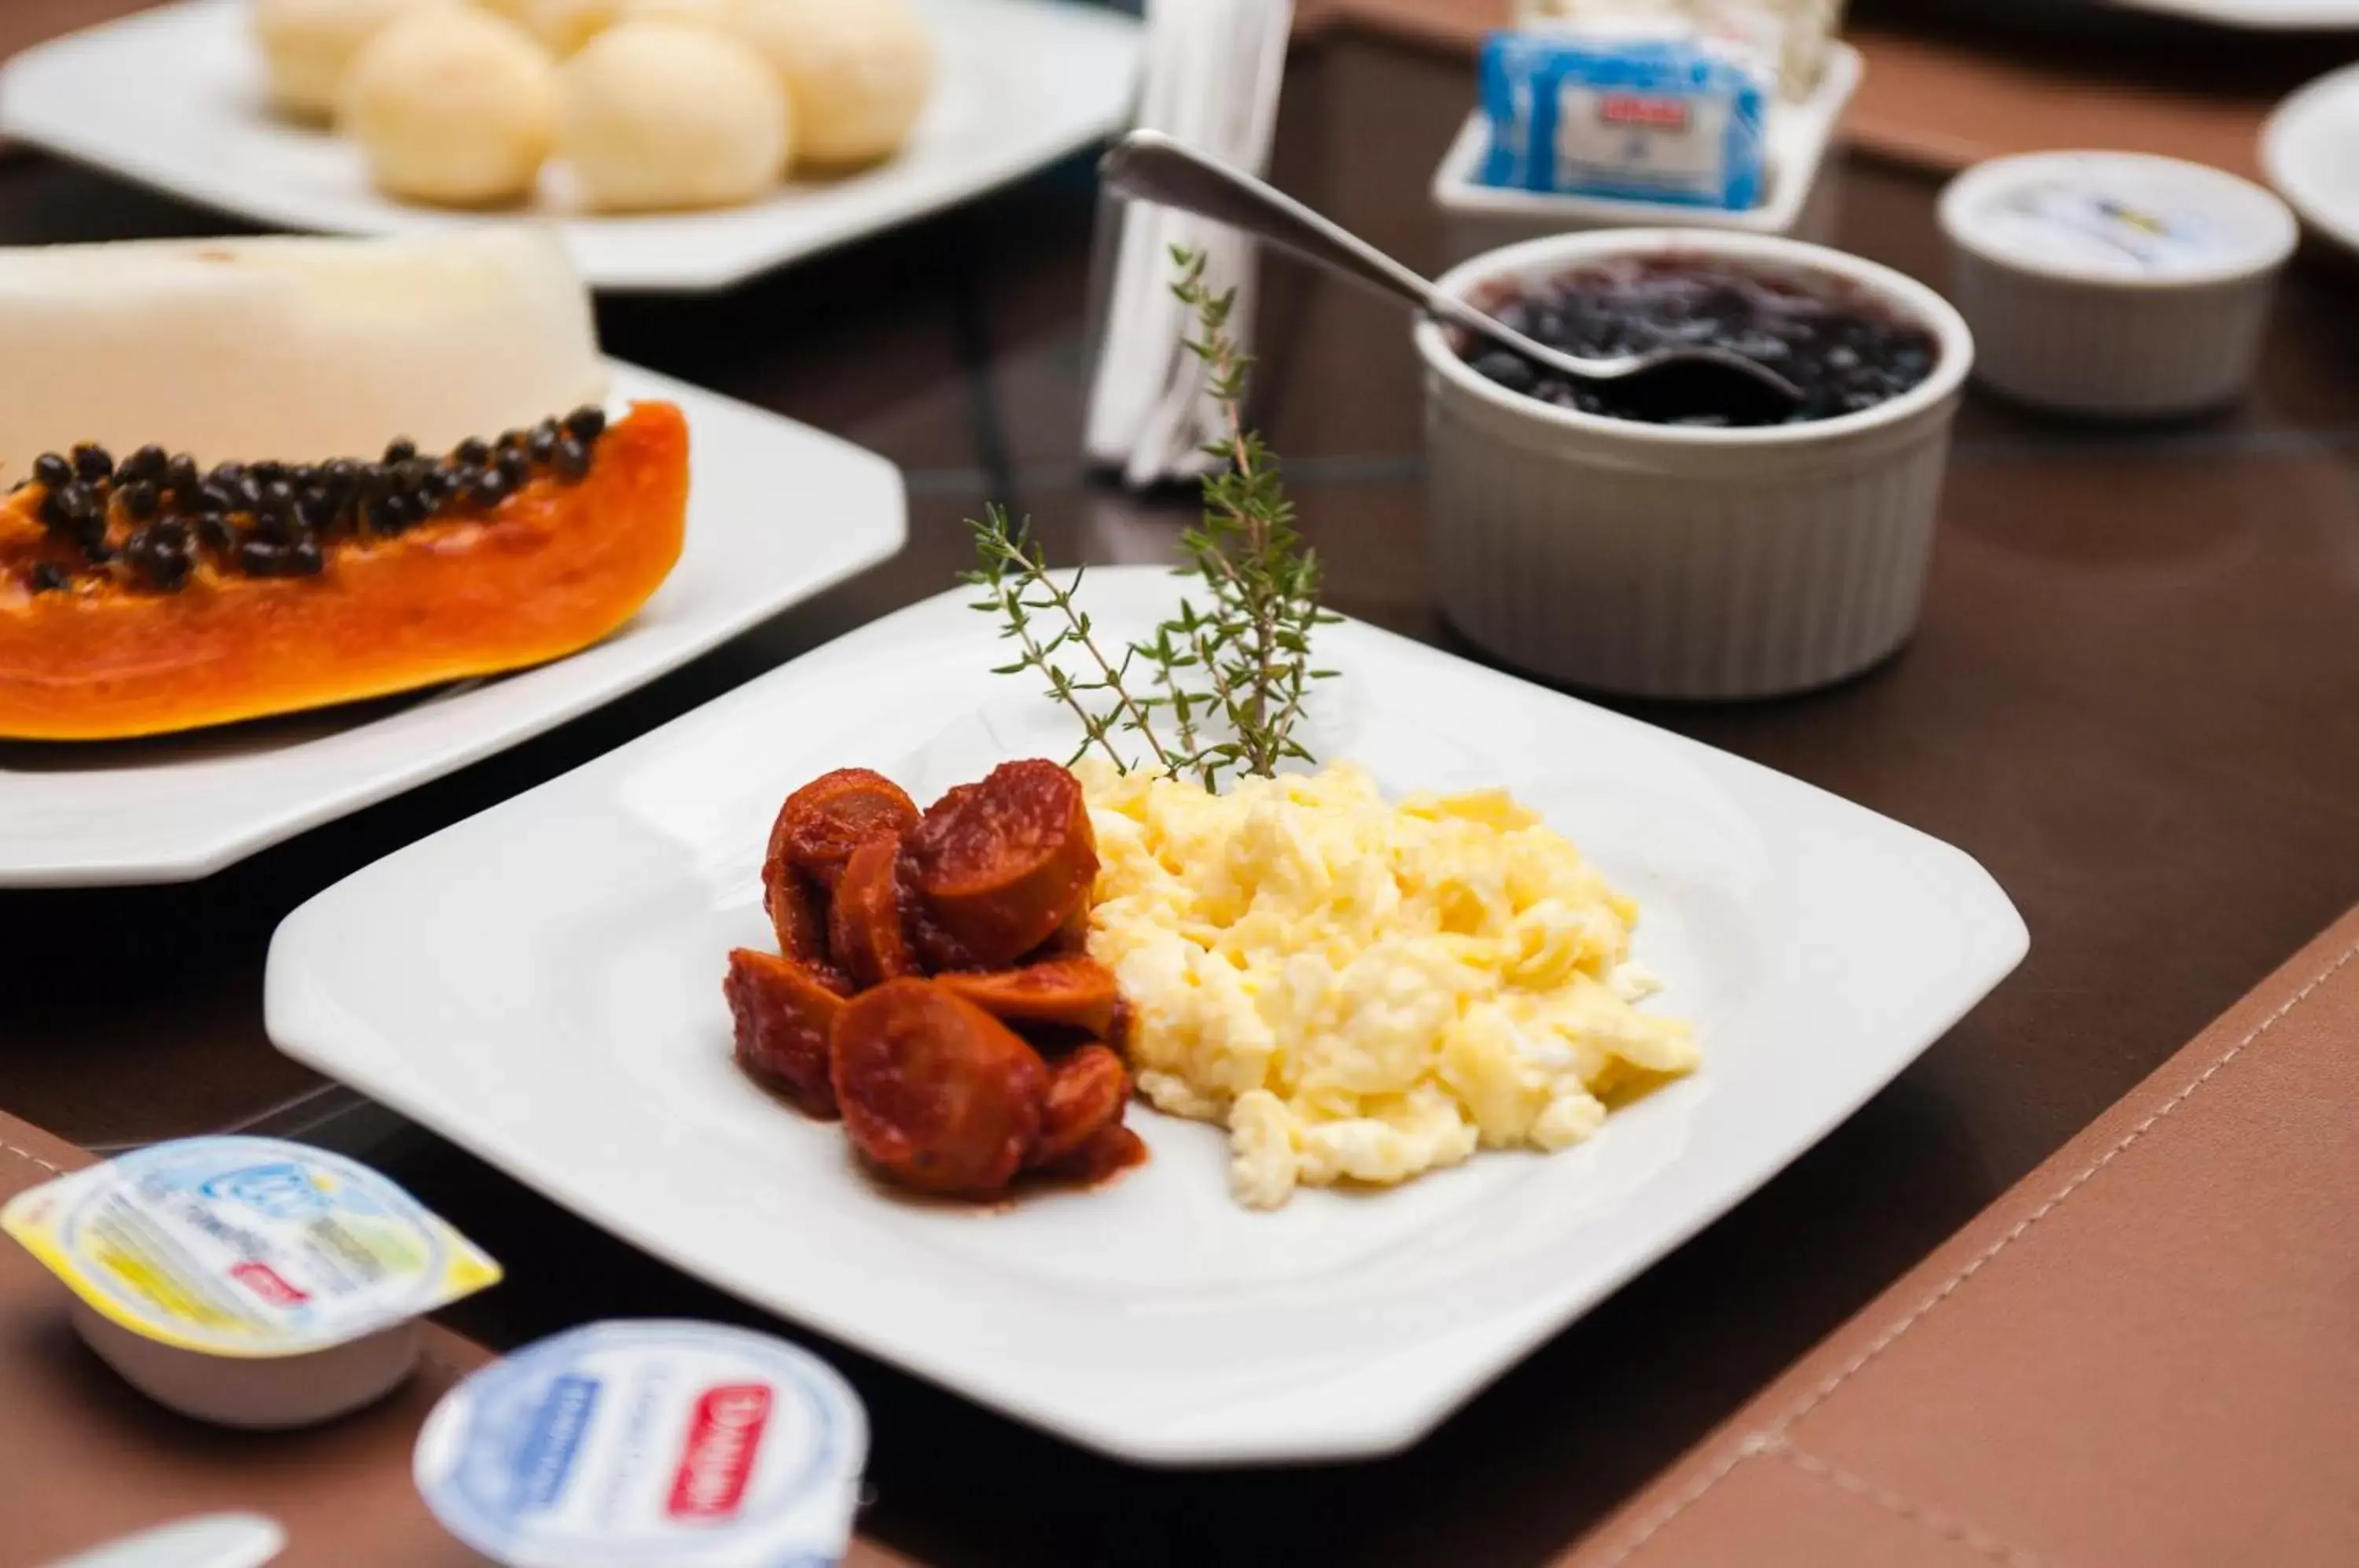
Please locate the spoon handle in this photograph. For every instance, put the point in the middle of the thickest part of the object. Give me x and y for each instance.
(1148, 166)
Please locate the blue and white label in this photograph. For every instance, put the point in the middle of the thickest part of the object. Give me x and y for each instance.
(2140, 234)
(2118, 215)
(635, 1443)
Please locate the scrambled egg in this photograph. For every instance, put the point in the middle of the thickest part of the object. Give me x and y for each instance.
(1361, 991)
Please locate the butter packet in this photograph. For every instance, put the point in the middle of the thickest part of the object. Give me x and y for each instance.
(244, 1247)
(1663, 118)
(614, 1444)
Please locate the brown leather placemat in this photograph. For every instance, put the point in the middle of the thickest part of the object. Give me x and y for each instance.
(1943, 101)
(24, 23)
(1946, 106)
(85, 1458)
(2146, 1354)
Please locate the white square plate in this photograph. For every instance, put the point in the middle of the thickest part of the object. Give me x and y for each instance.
(173, 98)
(556, 1007)
(181, 807)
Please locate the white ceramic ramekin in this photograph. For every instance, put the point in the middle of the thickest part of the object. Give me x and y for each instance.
(2167, 322)
(1664, 561)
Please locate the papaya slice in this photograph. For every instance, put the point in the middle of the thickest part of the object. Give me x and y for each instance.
(553, 567)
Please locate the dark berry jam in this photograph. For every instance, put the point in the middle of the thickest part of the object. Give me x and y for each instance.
(1846, 353)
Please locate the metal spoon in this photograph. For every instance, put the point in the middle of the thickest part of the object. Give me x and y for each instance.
(1147, 165)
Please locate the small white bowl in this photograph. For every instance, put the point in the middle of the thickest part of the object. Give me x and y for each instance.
(2114, 284)
(1664, 561)
(266, 1393)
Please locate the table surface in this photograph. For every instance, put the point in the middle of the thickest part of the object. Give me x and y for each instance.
(2135, 698)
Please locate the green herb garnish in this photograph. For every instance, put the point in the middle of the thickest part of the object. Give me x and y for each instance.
(1232, 670)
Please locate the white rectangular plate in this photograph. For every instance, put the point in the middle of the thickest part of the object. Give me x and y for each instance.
(173, 98)
(2258, 15)
(181, 807)
(543, 983)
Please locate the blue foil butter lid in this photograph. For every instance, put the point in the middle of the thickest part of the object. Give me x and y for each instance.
(639, 1443)
(1650, 119)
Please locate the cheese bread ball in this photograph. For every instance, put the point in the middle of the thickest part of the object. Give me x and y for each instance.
(562, 26)
(456, 107)
(665, 115)
(722, 13)
(857, 72)
(308, 45)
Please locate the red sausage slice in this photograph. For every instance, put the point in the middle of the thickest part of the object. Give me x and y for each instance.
(936, 1093)
(996, 868)
(1071, 940)
(1114, 1148)
(823, 823)
(797, 913)
(1087, 1092)
(864, 924)
(785, 1017)
(1078, 993)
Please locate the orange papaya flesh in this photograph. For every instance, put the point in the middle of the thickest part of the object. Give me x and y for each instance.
(552, 569)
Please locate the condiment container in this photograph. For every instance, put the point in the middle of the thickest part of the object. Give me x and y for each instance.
(625, 1443)
(1667, 561)
(246, 1280)
(1799, 197)
(2112, 283)
(1658, 116)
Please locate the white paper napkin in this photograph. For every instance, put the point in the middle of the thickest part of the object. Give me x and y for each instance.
(1213, 69)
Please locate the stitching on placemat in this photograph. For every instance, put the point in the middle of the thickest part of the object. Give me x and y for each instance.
(1773, 1437)
(1754, 1446)
(30, 1158)
(1929, 1519)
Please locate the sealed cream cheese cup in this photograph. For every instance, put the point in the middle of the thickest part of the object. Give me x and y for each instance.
(2115, 283)
(246, 1280)
(685, 1443)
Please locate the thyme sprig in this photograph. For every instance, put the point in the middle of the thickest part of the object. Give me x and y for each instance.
(1014, 571)
(1234, 673)
(1252, 645)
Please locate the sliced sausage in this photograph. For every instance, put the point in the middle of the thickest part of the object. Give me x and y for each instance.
(823, 823)
(1114, 1148)
(786, 1017)
(995, 868)
(1087, 1092)
(1078, 993)
(798, 912)
(937, 1092)
(864, 924)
